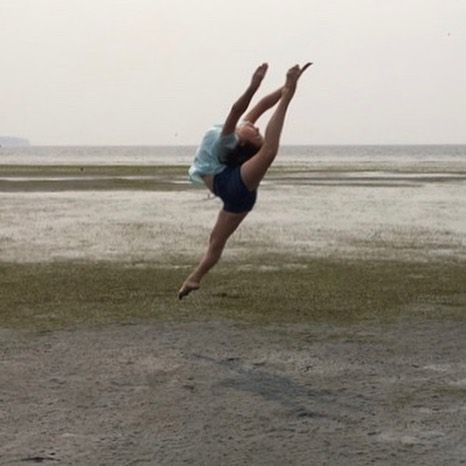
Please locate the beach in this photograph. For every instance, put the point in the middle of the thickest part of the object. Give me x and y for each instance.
(332, 332)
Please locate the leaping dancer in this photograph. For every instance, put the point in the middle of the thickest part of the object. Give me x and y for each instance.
(232, 160)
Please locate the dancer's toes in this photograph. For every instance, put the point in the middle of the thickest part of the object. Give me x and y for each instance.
(187, 288)
(305, 67)
(293, 74)
(292, 77)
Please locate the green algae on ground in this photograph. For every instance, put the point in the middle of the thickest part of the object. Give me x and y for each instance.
(90, 170)
(33, 178)
(36, 178)
(61, 294)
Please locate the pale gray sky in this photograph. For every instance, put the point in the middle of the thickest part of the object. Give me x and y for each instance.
(162, 71)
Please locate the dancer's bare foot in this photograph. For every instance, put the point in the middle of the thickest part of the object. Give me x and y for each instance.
(187, 287)
(292, 77)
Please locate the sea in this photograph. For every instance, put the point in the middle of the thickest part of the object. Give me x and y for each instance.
(383, 155)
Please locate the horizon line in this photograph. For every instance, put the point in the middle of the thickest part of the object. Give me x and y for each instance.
(283, 145)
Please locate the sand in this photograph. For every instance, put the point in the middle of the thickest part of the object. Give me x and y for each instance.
(220, 392)
(383, 388)
(421, 221)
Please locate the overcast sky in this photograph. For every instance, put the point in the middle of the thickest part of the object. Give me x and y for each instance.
(162, 71)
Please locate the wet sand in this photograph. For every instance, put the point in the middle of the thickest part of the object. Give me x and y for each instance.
(220, 392)
(409, 215)
(331, 333)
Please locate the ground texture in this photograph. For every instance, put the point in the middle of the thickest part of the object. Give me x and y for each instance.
(332, 333)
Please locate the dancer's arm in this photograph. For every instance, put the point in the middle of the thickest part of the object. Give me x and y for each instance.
(263, 105)
(241, 105)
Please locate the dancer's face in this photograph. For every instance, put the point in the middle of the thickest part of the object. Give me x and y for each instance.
(249, 133)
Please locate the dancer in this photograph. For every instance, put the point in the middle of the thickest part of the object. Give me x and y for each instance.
(232, 160)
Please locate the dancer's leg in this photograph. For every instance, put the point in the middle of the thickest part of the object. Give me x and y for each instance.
(227, 223)
(254, 170)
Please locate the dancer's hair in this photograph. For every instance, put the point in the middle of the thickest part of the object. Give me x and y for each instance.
(241, 153)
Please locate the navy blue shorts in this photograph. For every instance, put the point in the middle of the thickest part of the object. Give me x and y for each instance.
(230, 188)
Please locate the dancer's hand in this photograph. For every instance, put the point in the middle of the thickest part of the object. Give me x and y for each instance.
(259, 74)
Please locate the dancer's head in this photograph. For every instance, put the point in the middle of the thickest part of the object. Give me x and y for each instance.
(247, 133)
(249, 142)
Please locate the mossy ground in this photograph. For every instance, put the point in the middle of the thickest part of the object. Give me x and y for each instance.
(92, 177)
(168, 177)
(61, 294)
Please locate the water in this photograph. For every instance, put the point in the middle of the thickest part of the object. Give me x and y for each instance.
(445, 155)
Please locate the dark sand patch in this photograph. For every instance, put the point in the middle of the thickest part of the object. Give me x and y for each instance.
(56, 178)
(43, 178)
(221, 392)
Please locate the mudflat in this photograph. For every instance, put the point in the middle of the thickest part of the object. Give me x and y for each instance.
(331, 333)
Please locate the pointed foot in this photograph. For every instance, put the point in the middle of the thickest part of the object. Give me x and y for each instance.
(187, 288)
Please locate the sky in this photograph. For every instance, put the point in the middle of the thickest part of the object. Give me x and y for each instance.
(160, 72)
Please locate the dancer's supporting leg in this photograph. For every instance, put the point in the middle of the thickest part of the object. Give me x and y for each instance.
(227, 223)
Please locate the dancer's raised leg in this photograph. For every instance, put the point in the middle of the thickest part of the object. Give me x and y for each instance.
(254, 170)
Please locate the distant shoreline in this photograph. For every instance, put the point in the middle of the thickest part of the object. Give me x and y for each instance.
(187, 146)
(10, 141)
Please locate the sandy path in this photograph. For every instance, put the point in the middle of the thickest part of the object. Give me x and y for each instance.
(211, 393)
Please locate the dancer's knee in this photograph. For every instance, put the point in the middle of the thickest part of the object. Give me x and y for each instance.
(269, 151)
(267, 156)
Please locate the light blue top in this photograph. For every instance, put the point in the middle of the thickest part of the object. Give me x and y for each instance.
(211, 154)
